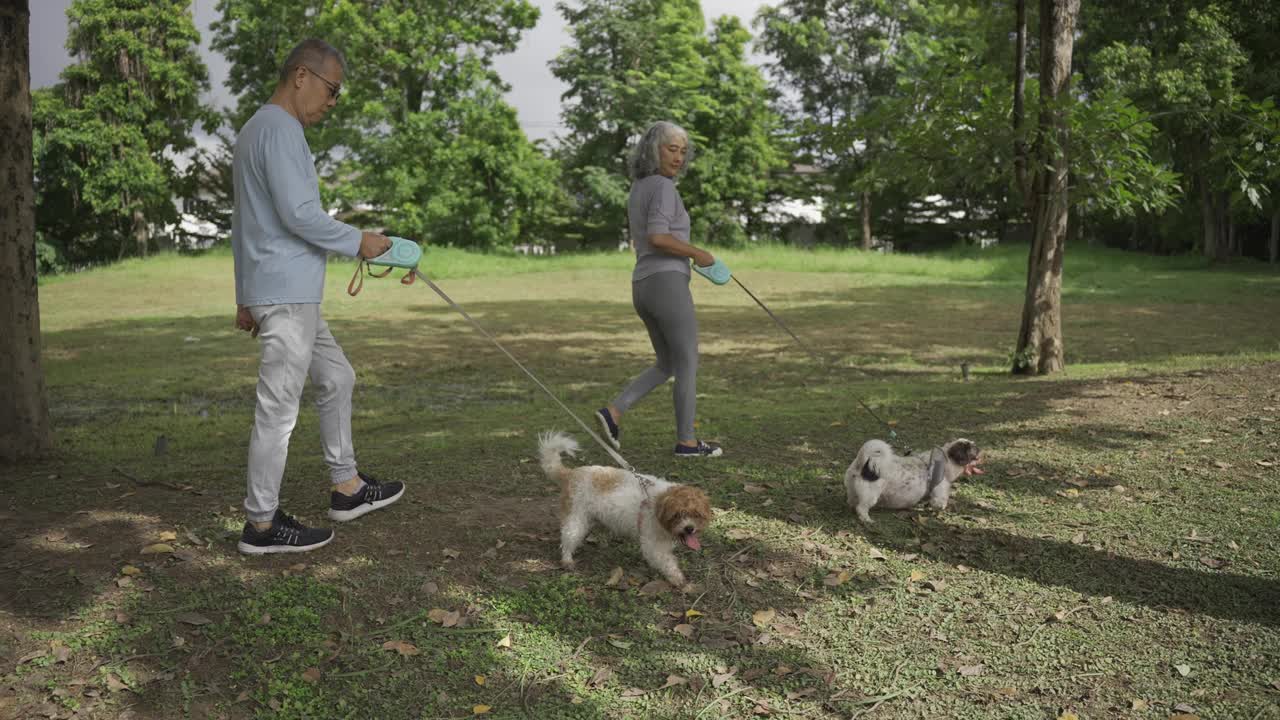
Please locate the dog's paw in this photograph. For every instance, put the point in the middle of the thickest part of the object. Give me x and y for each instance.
(569, 565)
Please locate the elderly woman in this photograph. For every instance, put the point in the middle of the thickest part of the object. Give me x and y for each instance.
(660, 285)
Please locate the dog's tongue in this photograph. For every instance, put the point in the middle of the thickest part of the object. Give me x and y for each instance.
(973, 469)
(692, 542)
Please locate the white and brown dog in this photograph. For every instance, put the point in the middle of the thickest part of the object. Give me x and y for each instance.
(879, 478)
(660, 514)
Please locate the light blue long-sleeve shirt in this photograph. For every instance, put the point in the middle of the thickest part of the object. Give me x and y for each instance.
(280, 232)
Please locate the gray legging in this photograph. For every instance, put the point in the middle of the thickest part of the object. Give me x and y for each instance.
(664, 303)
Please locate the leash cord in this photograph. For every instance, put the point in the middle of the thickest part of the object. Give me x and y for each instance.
(892, 432)
(612, 453)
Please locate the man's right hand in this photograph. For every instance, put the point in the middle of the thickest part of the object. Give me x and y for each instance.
(372, 244)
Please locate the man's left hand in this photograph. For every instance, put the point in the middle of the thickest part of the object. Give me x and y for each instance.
(245, 321)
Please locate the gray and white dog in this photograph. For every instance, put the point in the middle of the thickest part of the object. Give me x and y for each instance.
(880, 478)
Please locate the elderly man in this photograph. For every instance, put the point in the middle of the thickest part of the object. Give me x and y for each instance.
(281, 237)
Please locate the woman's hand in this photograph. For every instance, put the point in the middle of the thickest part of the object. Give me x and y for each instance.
(704, 258)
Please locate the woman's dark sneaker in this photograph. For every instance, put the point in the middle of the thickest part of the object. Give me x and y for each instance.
(702, 449)
(609, 428)
(286, 535)
(372, 496)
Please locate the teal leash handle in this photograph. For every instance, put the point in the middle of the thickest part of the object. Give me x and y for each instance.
(717, 272)
(402, 254)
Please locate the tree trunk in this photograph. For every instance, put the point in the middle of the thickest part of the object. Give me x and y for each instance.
(866, 220)
(1021, 179)
(24, 409)
(141, 236)
(1040, 348)
(1274, 245)
(1210, 220)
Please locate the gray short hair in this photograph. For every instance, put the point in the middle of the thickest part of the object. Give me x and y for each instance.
(645, 156)
(311, 54)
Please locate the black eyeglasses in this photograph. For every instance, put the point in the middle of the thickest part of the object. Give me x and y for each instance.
(334, 88)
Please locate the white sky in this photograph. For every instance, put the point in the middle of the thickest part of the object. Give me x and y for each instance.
(535, 93)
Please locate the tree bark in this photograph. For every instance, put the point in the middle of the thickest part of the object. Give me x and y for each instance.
(1274, 245)
(1021, 179)
(24, 409)
(1040, 348)
(866, 220)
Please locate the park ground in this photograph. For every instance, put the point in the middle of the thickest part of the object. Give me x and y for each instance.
(1119, 559)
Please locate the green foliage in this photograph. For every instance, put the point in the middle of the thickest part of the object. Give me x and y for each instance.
(107, 135)
(631, 64)
(421, 133)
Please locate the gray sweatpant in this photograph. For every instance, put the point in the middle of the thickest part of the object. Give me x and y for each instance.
(296, 343)
(664, 303)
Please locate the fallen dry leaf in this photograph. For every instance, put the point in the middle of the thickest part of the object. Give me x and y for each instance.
(971, 670)
(1183, 670)
(837, 579)
(633, 692)
(115, 684)
(130, 571)
(653, 587)
(505, 642)
(684, 629)
(915, 576)
(615, 577)
(311, 675)
(875, 554)
(405, 649)
(600, 678)
(480, 709)
(762, 618)
(753, 489)
(1138, 705)
(480, 680)
(442, 617)
(450, 553)
(1184, 708)
(167, 536)
(157, 549)
(936, 585)
(1068, 716)
(672, 681)
(1213, 562)
(621, 644)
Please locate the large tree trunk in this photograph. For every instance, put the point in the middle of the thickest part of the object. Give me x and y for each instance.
(24, 410)
(1040, 349)
(1021, 178)
(141, 236)
(1274, 245)
(866, 220)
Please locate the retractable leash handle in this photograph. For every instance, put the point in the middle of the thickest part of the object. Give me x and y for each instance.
(717, 272)
(402, 254)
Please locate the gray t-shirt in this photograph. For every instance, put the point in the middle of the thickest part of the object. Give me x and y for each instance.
(655, 208)
(280, 232)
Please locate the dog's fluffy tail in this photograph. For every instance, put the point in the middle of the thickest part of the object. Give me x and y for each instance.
(875, 454)
(551, 446)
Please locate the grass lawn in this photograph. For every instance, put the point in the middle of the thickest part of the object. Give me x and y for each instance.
(1120, 558)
